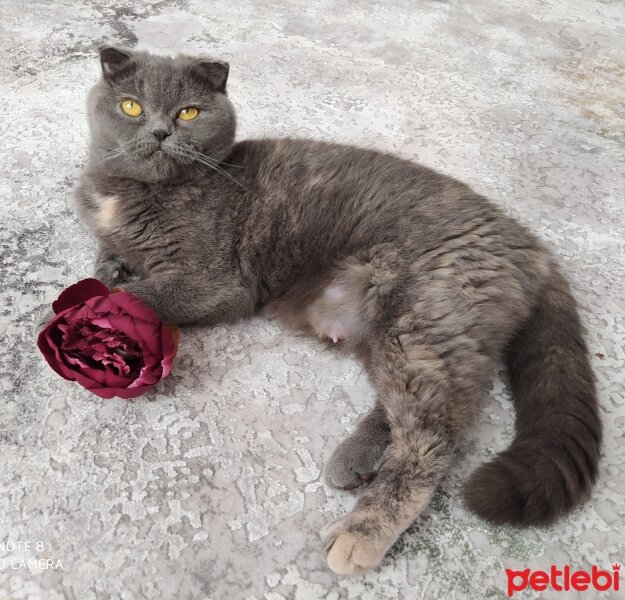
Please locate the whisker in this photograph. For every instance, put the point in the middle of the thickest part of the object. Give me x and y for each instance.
(219, 162)
(116, 152)
(219, 170)
(209, 162)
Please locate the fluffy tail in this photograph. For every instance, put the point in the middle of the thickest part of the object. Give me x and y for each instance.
(552, 463)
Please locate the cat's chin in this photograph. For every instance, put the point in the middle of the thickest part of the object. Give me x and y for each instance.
(158, 167)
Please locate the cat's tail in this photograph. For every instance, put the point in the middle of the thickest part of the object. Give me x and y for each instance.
(552, 462)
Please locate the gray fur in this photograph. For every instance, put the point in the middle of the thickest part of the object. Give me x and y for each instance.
(357, 458)
(422, 278)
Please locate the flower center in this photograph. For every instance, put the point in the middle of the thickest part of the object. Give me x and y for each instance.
(101, 348)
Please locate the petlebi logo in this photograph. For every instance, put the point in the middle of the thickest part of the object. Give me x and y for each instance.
(565, 579)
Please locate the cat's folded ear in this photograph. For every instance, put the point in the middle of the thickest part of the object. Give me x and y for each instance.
(211, 71)
(115, 61)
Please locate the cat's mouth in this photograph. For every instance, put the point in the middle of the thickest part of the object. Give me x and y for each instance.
(158, 153)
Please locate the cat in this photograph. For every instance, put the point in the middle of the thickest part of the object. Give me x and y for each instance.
(425, 281)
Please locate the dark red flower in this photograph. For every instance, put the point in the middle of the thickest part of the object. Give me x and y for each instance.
(111, 343)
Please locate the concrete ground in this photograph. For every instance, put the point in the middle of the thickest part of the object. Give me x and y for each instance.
(210, 486)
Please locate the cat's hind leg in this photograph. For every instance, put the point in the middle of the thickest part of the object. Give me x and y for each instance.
(426, 412)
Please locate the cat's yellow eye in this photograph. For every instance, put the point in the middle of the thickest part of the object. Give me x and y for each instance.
(131, 107)
(189, 113)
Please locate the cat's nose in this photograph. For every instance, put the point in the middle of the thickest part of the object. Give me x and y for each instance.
(160, 134)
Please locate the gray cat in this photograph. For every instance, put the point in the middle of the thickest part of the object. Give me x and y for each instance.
(424, 280)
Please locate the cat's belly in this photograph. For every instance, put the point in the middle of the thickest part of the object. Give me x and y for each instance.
(336, 314)
(332, 311)
(339, 306)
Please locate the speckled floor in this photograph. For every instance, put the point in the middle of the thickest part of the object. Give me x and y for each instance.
(210, 487)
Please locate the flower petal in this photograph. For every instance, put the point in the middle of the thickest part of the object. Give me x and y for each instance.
(147, 334)
(79, 293)
(126, 393)
(169, 339)
(130, 304)
(50, 351)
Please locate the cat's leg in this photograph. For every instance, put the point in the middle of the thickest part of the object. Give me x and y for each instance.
(426, 411)
(111, 269)
(193, 298)
(357, 458)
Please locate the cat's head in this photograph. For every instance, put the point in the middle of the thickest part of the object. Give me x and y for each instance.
(156, 118)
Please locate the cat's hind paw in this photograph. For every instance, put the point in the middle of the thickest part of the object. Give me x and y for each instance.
(354, 462)
(352, 548)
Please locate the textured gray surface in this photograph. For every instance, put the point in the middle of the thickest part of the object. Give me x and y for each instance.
(210, 487)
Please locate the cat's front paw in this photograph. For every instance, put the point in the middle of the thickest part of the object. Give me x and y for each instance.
(355, 461)
(114, 273)
(354, 545)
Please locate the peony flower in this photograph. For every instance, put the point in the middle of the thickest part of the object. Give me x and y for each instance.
(110, 342)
